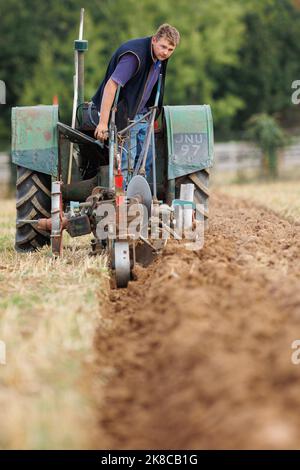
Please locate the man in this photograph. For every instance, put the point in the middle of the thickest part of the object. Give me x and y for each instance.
(135, 66)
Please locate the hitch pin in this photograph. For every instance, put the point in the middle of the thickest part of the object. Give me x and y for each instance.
(25, 221)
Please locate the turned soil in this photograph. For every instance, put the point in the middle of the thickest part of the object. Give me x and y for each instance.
(197, 352)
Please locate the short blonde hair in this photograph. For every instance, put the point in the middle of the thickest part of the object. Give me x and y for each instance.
(169, 32)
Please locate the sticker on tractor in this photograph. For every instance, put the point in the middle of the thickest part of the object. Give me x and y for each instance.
(190, 147)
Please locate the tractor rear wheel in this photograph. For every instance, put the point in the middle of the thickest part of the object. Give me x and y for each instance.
(200, 179)
(33, 201)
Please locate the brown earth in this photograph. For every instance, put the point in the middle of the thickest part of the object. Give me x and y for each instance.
(197, 352)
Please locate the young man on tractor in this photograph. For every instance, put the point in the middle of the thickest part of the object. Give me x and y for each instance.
(134, 81)
(135, 66)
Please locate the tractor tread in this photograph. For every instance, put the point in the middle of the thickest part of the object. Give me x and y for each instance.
(26, 197)
(40, 208)
(33, 202)
(23, 177)
(195, 179)
(39, 183)
(26, 238)
(29, 216)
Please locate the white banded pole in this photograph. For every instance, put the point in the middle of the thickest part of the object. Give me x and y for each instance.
(187, 194)
(75, 98)
(56, 229)
(184, 213)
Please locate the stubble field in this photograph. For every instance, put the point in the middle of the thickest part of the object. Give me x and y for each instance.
(195, 354)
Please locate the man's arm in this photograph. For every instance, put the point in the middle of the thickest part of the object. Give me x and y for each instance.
(101, 131)
(124, 71)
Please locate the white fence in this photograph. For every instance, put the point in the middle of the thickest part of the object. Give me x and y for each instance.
(233, 156)
(4, 169)
(290, 156)
(229, 157)
(236, 156)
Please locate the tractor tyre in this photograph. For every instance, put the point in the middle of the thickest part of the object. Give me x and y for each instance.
(33, 201)
(200, 179)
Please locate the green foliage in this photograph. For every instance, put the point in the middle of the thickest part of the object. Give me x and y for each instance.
(240, 57)
(268, 135)
(211, 34)
(26, 25)
(269, 58)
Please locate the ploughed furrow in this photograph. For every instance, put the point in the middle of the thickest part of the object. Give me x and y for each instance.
(197, 352)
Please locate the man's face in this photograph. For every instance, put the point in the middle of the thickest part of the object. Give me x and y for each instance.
(162, 48)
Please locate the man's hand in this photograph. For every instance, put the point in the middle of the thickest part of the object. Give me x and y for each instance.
(101, 132)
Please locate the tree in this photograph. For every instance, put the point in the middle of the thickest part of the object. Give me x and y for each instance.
(269, 58)
(268, 135)
(211, 36)
(239, 57)
(26, 26)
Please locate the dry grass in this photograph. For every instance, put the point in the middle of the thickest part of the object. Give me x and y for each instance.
(49, 310)
(282, 197)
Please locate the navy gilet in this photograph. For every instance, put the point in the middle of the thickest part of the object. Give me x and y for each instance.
(132, 93)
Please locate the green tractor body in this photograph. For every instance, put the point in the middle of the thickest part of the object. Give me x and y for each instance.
(184, 146)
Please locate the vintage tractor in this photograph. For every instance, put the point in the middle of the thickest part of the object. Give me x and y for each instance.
(68, 180)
